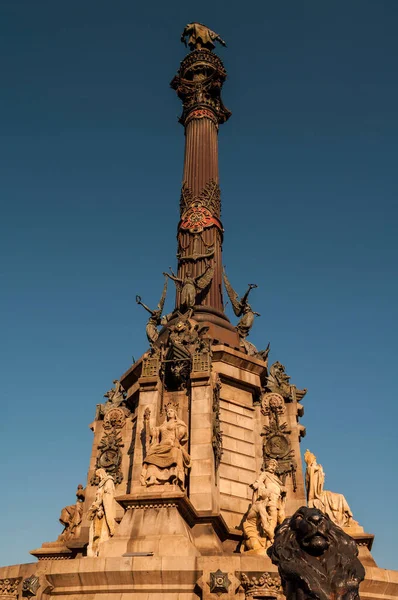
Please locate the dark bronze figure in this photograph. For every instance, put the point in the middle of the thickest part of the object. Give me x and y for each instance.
(200, 36)
(316, 559)
(278, 381)
(189, 286)
(155, 319)
(241, 308)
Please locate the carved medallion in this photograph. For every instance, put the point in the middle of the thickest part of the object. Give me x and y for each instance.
(219, 583)
(197, 218)
(272, 402)
(276, 446)
(114, 418)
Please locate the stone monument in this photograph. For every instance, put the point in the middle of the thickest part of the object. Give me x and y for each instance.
(196, 451)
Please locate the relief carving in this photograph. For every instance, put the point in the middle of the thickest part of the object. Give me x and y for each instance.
(276, 444)
(109, 456)
(9, 588)
(217, 433)
(265, 586)
(187, 348)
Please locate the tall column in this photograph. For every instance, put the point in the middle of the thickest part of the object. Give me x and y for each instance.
(200, 233)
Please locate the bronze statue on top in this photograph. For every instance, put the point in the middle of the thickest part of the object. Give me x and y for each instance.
(189, 287)
(155, 319)
(200, 36)
(241, 308)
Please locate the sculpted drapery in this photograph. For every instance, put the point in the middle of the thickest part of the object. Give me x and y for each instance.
(332, 504)
(102, 513)
(166, 461)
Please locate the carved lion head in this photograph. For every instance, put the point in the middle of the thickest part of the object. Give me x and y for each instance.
(315, 558)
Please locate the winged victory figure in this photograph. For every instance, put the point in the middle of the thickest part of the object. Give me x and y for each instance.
(241, 307)
(155, 318)
(189, 286)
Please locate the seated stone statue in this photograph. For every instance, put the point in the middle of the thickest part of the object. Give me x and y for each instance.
(266, 511)
(332, 504)
(166, 461)
(71, 517)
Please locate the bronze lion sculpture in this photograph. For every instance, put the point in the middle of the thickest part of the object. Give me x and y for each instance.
(315, 558)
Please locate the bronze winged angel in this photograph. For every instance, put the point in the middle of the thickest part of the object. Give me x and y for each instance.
(154, 320)
(241, 307)
(189, 286)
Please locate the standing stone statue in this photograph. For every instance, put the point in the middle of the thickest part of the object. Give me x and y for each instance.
(241, 308)
(155, 319)
(167, 460)
(267, 509)
(189, 287)
(102, 513)
(332, 504)
(200, 36)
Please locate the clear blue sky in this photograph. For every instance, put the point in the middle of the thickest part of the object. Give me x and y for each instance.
(90, 171)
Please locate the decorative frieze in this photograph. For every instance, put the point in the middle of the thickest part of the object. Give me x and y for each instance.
(277, 444)
(9, 588)
(264, 586)
(217, 433)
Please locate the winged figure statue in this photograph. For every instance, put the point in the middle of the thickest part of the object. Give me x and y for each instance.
(155, 318)
(241, 307)
(189, 286)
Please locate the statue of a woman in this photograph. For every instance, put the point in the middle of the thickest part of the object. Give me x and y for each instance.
(102, 513)
(166, 461)
(333, 504)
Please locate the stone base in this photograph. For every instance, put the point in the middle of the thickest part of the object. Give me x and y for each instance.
(172, 578)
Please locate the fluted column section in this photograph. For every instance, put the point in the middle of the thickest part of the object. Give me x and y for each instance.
(198, 84)
(201, 154)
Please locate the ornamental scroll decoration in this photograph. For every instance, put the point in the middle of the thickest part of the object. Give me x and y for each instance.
(198, 84)
(209, 197)
(9, 587)
(276, 443)
(202, 211)
(264, 586)
(217, 433)
(110, 456)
